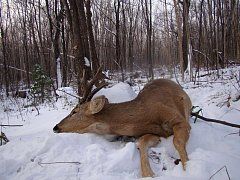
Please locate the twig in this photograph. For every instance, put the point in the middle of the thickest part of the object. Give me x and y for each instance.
(110, 31)
(233, 133)
(4, 137)
(69, 94)
(1, 142)
(143, 70)
(212, 81)
(195, 50)
(18, 106)
(59, 162)
(215, 120)
(203, 75)
(11, 125)
(219, 171)
(18, 69)
(235, 109)
(70, 56)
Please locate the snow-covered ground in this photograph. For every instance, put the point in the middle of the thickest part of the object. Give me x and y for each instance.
(34, 145)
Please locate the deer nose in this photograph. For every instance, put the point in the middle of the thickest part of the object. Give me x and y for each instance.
(56, 129)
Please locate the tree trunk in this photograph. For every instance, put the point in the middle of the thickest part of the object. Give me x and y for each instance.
(185, 41)
(117, 36)
(179, 31)
(94, 58)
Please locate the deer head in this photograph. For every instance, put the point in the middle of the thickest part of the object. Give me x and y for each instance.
(82, 118)
(83, 115)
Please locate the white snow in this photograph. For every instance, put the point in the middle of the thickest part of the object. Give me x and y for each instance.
(210, 147)
(120, 92)
(59, 75)
(87, 62)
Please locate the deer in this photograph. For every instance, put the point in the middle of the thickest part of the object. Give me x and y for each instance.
(161, 109)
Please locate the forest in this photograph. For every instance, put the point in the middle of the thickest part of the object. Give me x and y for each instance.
(122, 36)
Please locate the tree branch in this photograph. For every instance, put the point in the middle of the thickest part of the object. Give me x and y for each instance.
(215, 120)
(69, 94)
(18, 69)
(13, 125)
(60, 162)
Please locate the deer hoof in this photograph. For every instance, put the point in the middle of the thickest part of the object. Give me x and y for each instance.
(148, 174)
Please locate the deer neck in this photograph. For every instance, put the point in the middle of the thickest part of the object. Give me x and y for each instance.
(122, 111)
(122, 117)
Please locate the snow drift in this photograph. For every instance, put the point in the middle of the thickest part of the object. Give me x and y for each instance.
(35, 152)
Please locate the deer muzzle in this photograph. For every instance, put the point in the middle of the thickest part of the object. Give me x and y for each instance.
(56, 129)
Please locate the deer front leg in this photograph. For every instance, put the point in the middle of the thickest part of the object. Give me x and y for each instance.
(181, 134)
(144, 143)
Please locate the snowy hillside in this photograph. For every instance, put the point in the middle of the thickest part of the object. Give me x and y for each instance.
(36, 153)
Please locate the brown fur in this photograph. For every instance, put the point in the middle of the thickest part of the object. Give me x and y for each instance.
(161, 109)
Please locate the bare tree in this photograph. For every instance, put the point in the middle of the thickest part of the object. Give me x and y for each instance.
(147, 10)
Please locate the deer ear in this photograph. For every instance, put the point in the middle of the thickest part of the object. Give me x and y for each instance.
(97, 104)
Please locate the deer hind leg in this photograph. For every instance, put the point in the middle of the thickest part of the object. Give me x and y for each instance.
(181, 134)
(144, 143)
